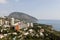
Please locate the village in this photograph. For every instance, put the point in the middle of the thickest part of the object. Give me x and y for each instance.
(16, 24)
(8, 22)
(15, 29)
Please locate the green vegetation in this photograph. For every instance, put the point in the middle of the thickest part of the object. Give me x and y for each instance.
(25, 34)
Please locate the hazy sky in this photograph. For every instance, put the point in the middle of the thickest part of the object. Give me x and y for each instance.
(41, 9)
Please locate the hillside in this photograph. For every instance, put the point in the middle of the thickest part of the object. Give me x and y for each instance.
(23, 16)
(31, 33)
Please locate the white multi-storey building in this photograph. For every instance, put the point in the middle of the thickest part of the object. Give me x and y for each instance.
(12, 21)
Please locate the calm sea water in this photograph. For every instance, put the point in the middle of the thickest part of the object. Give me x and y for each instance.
(54, 23)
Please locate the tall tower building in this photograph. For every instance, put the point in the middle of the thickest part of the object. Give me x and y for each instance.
(31, 24)
(1, 22)
(28, 24)
(12, 21)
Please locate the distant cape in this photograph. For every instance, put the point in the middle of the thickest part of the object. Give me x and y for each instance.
(23, 16)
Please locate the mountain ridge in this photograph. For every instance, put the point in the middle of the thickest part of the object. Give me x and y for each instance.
(23, 16)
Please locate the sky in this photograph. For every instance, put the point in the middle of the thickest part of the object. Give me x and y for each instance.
(41, 9)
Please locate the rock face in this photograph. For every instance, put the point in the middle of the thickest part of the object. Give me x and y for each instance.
(23, 16)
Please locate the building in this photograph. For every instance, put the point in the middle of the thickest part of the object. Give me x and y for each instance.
(8, 22)
(1, 21)
(30, 24)
(12, 21)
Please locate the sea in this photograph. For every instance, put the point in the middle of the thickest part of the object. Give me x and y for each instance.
(54, 23)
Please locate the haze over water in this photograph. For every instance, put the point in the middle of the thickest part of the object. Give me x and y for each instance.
(54, 23)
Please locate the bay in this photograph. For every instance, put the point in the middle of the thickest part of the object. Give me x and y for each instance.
(54, 23)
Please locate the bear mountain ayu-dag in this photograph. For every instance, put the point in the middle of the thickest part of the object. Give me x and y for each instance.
(23, 16)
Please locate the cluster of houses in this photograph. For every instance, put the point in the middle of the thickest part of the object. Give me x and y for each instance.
(6, 22)
(9, 22)
(17, 24)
